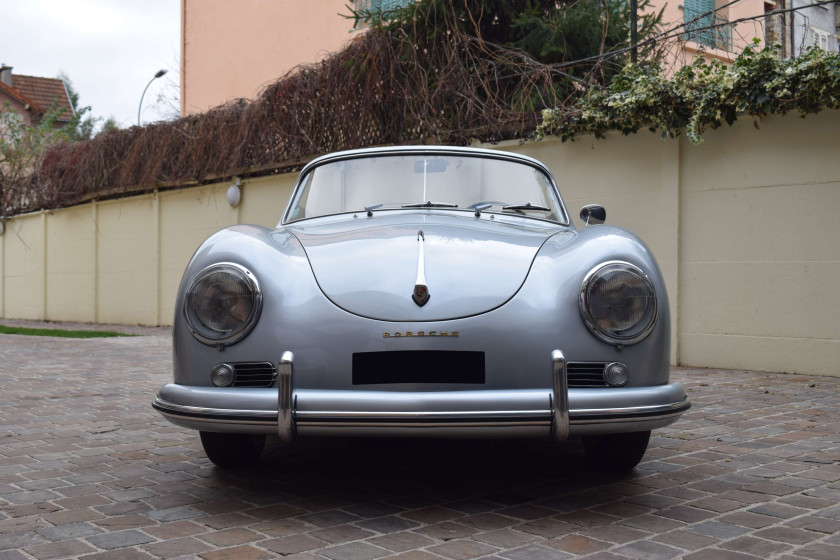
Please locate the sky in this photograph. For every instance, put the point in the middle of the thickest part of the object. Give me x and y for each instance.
(109, 49)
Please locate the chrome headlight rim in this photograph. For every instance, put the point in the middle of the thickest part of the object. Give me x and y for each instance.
(635, 336)
(250, 321)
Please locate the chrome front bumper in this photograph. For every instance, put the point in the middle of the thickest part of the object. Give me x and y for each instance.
(554, 412)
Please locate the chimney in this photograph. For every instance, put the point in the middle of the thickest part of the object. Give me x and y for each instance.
(6, 74)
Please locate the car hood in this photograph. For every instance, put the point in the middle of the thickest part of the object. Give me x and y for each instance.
(369, 267)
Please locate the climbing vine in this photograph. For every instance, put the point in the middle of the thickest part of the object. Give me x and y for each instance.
(702, 95)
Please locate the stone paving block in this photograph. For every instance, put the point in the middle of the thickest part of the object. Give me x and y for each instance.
(401, 542)
(463, 549)
(238, 553)
(71, 531)
(328, 518)
(787, 535)
(717, 554)
(686, 539)
(686, 514)
(292, 544)
(173, 548)
(652, 523)
(231, 537)
(432, 514)
(61, 549)
(758, 547)
(616, 533)
(548, 528)
(341, 533)
(487, 521)
(387, 524)
(120, 522)
(749, 519)
(505, 538)
(280, 527)
(446, 531)
(120, 539)
(817, 524)
(175, 530)
(578, 545)
(648, 550)
(121, 554)
(354, 551)
(169, 515)
(534, 552)
(820, 551)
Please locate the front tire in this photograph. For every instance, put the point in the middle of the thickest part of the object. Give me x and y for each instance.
(232, 450)
(616, 452)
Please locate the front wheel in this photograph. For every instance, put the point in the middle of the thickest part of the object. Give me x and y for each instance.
(616, 452)
(232, 450)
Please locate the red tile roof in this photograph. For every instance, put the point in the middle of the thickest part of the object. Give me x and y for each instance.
(43, 92)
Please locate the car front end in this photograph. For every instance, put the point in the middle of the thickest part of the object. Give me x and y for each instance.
(423, 320)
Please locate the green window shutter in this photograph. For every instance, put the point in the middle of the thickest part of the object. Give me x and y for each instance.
(380, 5)
(392, 4)
(699, 15)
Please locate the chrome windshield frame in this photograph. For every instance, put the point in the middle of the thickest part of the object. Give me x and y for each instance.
(563, 220)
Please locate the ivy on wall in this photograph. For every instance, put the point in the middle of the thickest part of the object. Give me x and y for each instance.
(702, 95)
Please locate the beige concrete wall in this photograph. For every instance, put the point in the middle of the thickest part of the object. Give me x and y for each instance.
(126, 261)
(120, 261)
(71, 264)
(24, 267)
(744, 228)
(759, 254)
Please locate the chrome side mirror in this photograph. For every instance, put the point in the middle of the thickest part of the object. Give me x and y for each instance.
(592, 214)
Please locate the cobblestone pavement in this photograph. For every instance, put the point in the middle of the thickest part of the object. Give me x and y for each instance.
(89, 470)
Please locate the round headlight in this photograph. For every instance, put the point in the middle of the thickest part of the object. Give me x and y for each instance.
(222, 304)
(618, 303)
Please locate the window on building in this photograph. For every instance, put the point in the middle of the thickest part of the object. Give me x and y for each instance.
(377, 6)
(820, 38)
(705, 26)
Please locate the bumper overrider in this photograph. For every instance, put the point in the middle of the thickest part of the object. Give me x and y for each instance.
(555, 411)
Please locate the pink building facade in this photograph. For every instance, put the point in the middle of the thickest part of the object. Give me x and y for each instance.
(232, 50)
(709, 31)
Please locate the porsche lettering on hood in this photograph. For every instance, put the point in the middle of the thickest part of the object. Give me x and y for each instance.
(468, 269)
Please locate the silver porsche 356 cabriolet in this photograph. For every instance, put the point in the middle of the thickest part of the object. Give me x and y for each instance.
(423, 291)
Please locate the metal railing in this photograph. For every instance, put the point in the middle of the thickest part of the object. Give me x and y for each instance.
(710, 30)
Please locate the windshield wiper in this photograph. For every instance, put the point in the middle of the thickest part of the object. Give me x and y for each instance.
(371, 208)
(528, 206)
(429, 204)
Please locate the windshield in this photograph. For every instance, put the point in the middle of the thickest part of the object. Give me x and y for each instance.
(455, 181)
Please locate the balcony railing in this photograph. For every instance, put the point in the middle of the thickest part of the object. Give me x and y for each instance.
(710, 30)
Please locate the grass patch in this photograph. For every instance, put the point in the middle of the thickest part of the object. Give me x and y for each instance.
(60, 332)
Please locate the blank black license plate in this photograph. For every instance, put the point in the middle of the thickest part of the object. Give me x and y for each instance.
(418, 366)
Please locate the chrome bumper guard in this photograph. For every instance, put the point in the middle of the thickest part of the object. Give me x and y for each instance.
(285, 405)
(534, 411)
(559, 397)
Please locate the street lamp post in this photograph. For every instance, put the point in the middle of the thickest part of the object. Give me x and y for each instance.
(634, 36)
(157, 75)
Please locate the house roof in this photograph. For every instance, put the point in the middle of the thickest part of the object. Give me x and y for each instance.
(41, 93)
